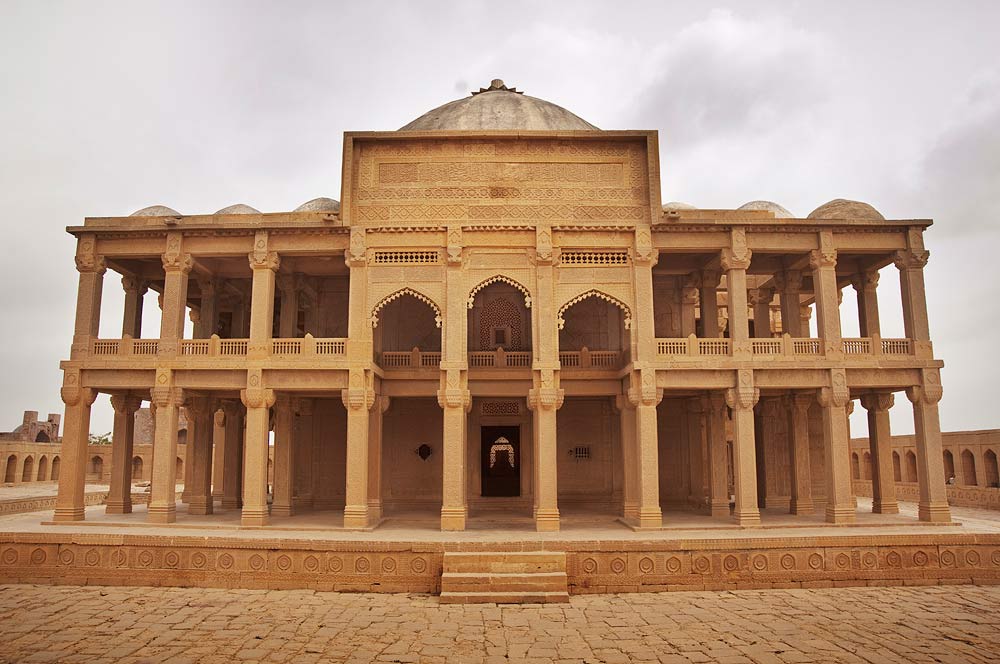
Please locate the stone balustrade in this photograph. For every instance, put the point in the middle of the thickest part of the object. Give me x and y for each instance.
(786, 347)
(214, 347)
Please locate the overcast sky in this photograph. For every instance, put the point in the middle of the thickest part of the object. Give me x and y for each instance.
(110, 107)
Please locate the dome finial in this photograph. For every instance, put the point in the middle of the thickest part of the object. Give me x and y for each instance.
(497, 84)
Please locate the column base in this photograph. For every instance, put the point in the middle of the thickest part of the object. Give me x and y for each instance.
(650, 517)
(546, 520)
(374, 510)
(453, 518)
(840, 514)
(282, 510)
(69, 514)
(934, 512)
(231, 503)
(747, 517)
(200, 505)
(217, 494)
(254, 517)
(185, 496)
(719, 508)
(885, 507)
(801, 506)
(118, 507)
(161, 513)
(630, 512)
(356, 516)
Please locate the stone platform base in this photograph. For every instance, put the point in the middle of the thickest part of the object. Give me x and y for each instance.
(591, 567)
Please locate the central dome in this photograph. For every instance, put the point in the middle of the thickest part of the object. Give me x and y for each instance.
(498, 107)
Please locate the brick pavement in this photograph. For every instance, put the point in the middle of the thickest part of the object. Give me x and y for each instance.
(876, 625)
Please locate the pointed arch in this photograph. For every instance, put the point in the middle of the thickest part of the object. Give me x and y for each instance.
(593, 292)
(400, 293)
(503, 278)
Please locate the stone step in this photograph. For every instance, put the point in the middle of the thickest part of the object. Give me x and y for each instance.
(516, 582)
(504, 597)
(504, 577)
(507, 562)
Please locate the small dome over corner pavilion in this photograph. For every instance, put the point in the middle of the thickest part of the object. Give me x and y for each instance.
(498, 108)
(841, 208)
(780, 212)
(156, 211)
(321, 204)
(239, 208)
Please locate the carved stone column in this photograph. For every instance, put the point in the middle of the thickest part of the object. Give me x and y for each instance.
(209, 309)
(789, 284)
(630, 455)
(823, 263)
(375, 458)
(258, 401)
(735, 261)
(288, 324)
(264, 264)
(88, 296)
(696, 428)
(544, 401)
(199, 455)
(911, 284)
(177, 267)
(456, 403)
(168, 400)
(232, 476)
(708, 296)
(304, 456)
(120, 492)
(880, 444)
(688, 301)
(358, 400)
(283, 503)
(135, 289)
(866, 286)
(73, 457)
(836, 444)
(718, 457)
(760, 300)
(798, 444)
(218, 451)
(741, 401)
(933, 504)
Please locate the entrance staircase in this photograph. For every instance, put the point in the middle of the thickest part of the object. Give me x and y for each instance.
(519, 577)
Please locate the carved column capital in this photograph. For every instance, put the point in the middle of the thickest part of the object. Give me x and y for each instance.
(125, 404)
(164, 396)
(731, 259)
(744, 396)
(911, 259)
(182, 263)
(265, 260)
(877, 401)
(865, 281)
(257, 397)
(820, 258)
(134, 285)
(90, 264)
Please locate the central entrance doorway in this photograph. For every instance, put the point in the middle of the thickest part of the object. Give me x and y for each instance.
(501, 465)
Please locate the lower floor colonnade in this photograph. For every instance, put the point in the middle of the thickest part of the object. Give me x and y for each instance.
(637, 459)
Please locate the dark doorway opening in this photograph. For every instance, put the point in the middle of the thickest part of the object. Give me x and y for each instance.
(501, 465)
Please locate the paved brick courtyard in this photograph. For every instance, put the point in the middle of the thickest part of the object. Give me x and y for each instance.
(97, 624)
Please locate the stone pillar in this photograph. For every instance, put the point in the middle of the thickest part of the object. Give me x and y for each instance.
(709, 298)
(718, 475)
(209, 309)
(544, 403)
(630, 462)
(258, 401)
(283, 503)
(120, 492)
(135, 289)
(199, 455)
(880, 444)
(741, 401)
(688, 301)
(88, 296)
(798, 444)
(168, 400)
(696, 445)
(823, 263)
(375, 458)
(357, 402)
(833, 401)
(264, 265)
(805, 313)
(289, 322)
(188, 461)
(73, 456)
(232, 476)
(176, 269)
(760, 299)
(933, 503)
(304, 457)
(866, 285)
(789, 284)
(456, 402)
(911, 284)
(735, 261)
(218, 452)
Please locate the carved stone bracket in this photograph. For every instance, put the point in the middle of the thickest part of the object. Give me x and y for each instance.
(356, 253)
(544, 252)
(744, 396)
(731, 260)
(929, 391)
(837, 394)
(546, 398)
(643, 390)
(124, 404)
(820, 258)
(877, 401)
(87, 259)
(454, 246)
(911, 260)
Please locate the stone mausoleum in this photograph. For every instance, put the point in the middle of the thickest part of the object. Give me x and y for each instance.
(500, 319)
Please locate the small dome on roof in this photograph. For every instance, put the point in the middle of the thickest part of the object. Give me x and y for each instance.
(239, 208)
(770, 206)
(156, 211)
(320, 204)
(677, 205)
(841, 208)
(498, 107)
